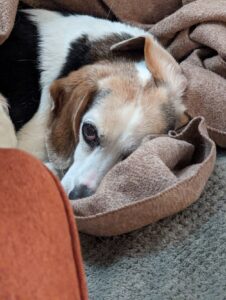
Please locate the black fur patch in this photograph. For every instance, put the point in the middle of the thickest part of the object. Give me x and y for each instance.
(19, 75)
(83, 52)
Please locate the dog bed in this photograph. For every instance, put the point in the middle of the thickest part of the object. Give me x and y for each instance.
(166, 174)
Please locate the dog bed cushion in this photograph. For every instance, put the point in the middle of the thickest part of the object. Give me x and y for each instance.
(165, 174)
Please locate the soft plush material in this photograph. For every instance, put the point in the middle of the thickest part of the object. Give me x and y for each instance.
(196, 36)
(142, 11)
(182, 257)
(165, 175)
(39, 246)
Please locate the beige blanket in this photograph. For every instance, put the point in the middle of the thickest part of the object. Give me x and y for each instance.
(196, 35)
(153, 182)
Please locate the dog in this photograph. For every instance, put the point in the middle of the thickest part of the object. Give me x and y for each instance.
(81, 93)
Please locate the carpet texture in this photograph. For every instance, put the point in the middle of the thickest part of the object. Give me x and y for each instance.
(181, 257)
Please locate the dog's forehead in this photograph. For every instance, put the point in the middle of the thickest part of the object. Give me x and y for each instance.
(117, 125)
(127, 106)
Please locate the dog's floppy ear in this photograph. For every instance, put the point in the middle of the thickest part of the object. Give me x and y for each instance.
(71, 96)
(60, 93)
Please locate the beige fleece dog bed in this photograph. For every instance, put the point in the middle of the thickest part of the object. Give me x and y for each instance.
(166, 174)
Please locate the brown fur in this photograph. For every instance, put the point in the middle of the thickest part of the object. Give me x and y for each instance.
(71, 97)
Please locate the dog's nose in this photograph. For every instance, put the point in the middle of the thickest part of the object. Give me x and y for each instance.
(80, 191)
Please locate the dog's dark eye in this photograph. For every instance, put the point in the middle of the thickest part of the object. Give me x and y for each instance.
(90, 134)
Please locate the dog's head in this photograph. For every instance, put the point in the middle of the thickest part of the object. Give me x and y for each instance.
(103, 111)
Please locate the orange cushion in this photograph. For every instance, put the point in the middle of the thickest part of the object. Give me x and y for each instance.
(39, 246)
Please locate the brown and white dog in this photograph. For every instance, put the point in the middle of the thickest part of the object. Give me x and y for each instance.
(83, 92)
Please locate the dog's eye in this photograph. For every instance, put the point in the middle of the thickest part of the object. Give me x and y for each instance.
(90, 134)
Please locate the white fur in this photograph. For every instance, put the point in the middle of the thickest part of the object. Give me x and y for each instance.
(7, 132)
(31, 137)
(143, 72)
(89, 167)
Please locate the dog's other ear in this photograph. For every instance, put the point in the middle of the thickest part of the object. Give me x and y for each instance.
(164, 67)
(165, 70)
(160, 63)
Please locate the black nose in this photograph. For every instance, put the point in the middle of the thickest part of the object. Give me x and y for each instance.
(80, 191)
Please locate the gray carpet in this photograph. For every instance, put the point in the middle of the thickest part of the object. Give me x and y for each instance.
(181, 257)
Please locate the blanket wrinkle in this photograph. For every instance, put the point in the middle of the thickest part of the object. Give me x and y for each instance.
(191, 14)
(195, 35)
